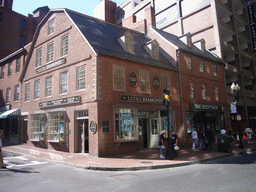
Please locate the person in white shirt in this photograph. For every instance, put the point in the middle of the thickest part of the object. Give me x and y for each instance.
(248, 132)
(194, 139)
(223, 131)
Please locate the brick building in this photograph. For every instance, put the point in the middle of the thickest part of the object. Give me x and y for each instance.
(228, 28)
(17, 30)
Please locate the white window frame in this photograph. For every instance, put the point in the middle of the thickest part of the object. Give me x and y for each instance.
(16, 92)
(63, 82)
(48, 86)
(37, 89)
(191, 85)
(204, 91)
(27, 92)
(51, 26)
(8, 95)
(214, 70)
(2, 72)
(121, 125)
(144, 81)
(64, 45)
(166, 82)
(81, 77)
(217, 93)
(9, 73)
(50, 52)
(18, 62)
(189, 62)
(201, 66)
(37, 128)
(39, 57)
(119, 78)
(56, 127)
(129, 42)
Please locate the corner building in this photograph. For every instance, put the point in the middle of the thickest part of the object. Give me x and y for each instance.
(93, 87)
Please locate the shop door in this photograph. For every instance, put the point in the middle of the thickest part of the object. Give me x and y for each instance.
(154, 133)
(143, 123)
(84, 136)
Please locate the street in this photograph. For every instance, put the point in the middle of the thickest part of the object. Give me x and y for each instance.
(26, 173)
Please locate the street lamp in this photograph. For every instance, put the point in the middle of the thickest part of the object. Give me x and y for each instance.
(236, 89)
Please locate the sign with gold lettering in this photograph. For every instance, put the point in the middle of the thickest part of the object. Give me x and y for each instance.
(58, 102)
(51, 65)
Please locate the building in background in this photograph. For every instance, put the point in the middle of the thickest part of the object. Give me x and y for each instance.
(17, 30)
(228, 27)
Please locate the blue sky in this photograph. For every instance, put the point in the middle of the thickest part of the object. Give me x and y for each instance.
(26, 7)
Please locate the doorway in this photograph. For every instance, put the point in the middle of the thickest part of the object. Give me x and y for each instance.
(143, 123)
(83, 136)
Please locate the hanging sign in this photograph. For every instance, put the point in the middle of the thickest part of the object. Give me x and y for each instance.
(93, 127)
(233, 107)
(156, 82)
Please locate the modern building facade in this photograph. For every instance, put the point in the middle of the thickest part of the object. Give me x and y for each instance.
(228, 27)
(17, 30)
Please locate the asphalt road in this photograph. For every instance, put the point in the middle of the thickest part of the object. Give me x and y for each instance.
(26, 173)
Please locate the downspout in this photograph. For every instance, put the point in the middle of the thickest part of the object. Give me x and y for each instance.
(181, 104)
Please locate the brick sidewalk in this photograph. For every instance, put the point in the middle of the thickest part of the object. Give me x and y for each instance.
(145, 159)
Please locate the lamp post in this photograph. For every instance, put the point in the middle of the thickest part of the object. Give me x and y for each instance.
(236, 89)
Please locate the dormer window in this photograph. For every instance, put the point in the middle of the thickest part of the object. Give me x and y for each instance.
(127, 42)
(187, 39)
(152, 48)
(200, 44)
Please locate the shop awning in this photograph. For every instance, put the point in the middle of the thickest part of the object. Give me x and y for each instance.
(10, 113)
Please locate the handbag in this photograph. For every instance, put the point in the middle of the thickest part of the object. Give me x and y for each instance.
(176, 148)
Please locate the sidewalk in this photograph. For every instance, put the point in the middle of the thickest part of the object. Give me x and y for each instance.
(145, 159)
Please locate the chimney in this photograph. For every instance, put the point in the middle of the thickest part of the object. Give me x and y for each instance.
(200, 44)
(150, 16)
(187, 39)
(105, 10)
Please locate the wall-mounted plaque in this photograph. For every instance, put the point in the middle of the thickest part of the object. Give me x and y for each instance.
(133, 79)
(93, 126)
(105, 126)
(156, 82)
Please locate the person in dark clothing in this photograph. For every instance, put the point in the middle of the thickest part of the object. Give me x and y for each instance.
(174, 141)
(161, 144)
(201, 139)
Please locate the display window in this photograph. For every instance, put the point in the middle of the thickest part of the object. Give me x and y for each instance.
(126, 121)
(56, 127)
(37, 127)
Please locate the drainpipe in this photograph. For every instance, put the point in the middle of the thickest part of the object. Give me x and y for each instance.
(181, 104)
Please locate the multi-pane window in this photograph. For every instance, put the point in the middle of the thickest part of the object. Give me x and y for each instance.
(155, 50)
(16, 92)
(214, 70)
(81, 77)
(8, 95)
(9, 69)
(51, 26)
(27, 92)
(191, 89)
(201, 67)
(144, 81)
(18, 65)
(64, 82)
(64, 45)
(50, 50)
(129, 42)
(56, 127)
(188, 62)
(118, 78)
(2, 72)
(217, 94)
(126, 124)
(37, 89)
(166, 81)
(38, 57)
(37, 127)
(48, 86)
(204, 91)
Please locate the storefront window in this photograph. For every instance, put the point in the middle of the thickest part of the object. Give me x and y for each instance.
(56, 127)
(190, 122)
(126, 121)
(37, 127)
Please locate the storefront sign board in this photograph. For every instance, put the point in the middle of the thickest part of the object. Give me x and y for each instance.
(205, 107)
(139, 99)
(59, 102)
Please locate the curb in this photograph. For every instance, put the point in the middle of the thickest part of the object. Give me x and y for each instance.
(137, 168)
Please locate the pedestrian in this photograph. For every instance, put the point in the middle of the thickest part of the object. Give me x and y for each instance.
(223, 131)
(174, 141)
(1, 154)
(248, 132)
(161, 144)
(201, 139)
(194, 139)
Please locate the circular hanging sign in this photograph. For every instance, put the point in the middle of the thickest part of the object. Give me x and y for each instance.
(93, 126)
(156, 82)
(133, 79)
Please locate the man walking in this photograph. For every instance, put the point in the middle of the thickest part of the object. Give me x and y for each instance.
(194, 139)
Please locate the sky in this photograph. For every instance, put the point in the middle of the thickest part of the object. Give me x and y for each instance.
(26, 7)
